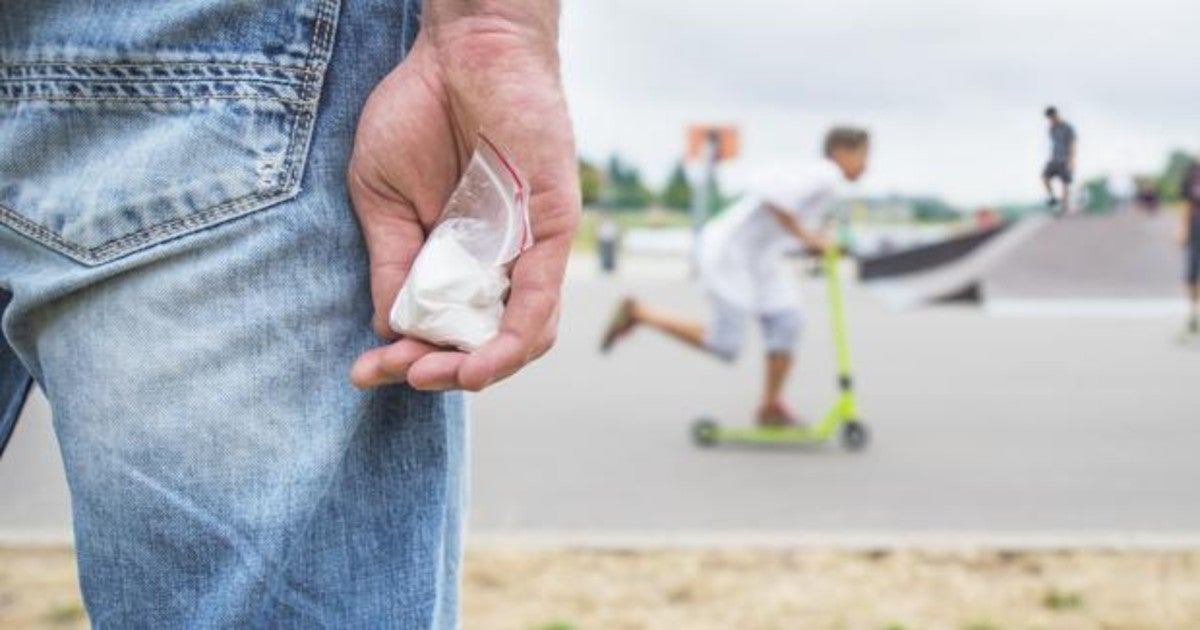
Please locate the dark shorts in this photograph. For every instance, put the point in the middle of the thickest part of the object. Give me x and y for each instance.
(1192, 268)
(1058, 169)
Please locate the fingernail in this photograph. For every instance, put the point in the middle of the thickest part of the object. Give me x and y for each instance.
(361, 375)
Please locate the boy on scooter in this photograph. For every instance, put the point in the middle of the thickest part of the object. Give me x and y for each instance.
(743, 270)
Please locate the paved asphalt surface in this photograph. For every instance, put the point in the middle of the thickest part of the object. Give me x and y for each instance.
(982, 427)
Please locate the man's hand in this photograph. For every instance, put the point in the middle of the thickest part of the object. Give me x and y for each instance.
(490, 66)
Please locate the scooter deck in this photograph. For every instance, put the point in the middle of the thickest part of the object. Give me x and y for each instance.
(769, 435)
(853, 434)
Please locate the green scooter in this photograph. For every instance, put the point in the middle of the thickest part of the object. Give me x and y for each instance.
(842, 420)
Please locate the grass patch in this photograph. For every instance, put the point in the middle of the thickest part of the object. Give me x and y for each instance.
(558, 625)
(1055, 599)
(585, 236)
(65, 613)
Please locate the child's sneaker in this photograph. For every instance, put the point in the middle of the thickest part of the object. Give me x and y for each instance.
(778, 415)
(621, 324)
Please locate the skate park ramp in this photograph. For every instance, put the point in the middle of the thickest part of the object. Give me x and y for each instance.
(962, 277)
(925, 257)
(1124, 264)
(1117, 265)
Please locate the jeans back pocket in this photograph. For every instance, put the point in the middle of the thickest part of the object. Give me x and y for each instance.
(106, 152)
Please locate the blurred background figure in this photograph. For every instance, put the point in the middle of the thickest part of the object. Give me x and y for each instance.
(608, 242)
(1061, 165)
(742, 266)
(1146, 197)
(986, 218)
(1190, 237)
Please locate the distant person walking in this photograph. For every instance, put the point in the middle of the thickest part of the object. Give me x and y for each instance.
(1062, 160)
(608, 241)
(742, 265)
(1189, 236)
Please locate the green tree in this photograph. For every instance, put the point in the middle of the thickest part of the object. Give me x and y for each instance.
(678, 193)
(933, 209)
(1097, 196)
(1170, 182)
(590, 182)
(624, 189)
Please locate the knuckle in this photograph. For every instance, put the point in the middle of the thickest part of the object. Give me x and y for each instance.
(383, 330)
(546, 344)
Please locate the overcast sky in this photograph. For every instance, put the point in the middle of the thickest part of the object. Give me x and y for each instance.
(952, 89)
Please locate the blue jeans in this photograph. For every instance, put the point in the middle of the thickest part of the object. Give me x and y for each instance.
(182, 273)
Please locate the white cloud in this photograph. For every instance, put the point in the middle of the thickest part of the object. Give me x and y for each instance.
(952, 89)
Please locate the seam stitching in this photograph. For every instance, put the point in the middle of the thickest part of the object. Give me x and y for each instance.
(318, 49)
(114, 80)
(160, 64)
(102, 252)
(150, 99)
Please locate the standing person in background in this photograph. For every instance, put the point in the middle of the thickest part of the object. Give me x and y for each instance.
(1189, 237)
(1062, 160)
(608, 240)
(743, 271)
(1147, 194)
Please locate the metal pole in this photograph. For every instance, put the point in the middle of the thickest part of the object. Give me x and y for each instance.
(700, 187)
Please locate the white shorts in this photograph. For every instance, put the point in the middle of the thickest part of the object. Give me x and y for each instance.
(780, 330)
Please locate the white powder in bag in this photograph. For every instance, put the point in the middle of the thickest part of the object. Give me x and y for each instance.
(449, 297)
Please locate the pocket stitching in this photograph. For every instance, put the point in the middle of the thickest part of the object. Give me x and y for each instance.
(151, 99)
(203, 82)
(169, 64)
(102, 252)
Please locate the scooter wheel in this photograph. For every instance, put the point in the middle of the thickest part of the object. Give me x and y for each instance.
(855, 436)
(704, 432)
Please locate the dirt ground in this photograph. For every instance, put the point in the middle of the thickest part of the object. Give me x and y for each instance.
(754, 589)
(39, 589)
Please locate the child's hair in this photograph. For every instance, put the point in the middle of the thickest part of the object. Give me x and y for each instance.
(845, 138)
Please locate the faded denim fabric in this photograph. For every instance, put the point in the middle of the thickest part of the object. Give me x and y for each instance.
(189, 287)
(15, 383)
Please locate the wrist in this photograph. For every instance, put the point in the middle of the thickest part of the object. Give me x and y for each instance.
(490, 27)
(534, 13)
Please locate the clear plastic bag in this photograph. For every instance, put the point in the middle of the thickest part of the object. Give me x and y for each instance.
(454, 294)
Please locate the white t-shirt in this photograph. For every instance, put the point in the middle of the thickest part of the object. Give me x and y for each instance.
(741, 257)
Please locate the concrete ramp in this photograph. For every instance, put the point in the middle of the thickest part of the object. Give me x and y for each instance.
(1124, 264)
(962, 278)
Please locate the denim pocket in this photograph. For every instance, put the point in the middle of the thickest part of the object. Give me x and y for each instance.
(102, 157)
